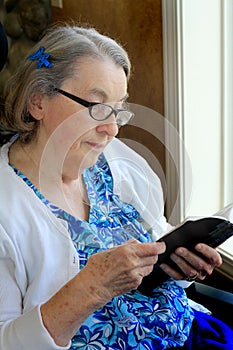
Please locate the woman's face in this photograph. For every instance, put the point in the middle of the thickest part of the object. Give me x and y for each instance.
(69, 126)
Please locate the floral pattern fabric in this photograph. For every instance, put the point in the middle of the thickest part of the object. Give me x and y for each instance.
(131, 321)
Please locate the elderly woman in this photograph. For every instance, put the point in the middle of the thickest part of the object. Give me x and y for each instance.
(73, 253)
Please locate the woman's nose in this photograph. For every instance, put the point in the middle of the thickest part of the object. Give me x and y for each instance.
(110, 128)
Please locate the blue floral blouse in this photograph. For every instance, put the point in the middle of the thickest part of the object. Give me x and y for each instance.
(129, 321)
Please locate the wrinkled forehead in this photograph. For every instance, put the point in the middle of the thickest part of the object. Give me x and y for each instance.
(100, 77)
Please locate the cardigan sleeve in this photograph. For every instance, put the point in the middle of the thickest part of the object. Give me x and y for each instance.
(226, 212)
(18, 330)
(27, 332)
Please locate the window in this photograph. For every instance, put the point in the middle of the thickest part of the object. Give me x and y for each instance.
(198, 61)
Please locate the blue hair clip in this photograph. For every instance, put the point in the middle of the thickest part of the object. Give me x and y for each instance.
(42, 58)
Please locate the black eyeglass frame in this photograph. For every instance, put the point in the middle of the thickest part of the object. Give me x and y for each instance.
(89, 105)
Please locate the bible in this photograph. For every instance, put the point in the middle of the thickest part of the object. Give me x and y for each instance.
(212, 231)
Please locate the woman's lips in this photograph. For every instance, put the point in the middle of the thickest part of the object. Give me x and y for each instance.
(96, 145)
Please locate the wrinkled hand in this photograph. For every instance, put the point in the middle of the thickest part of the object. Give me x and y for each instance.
(106, 274)
(121, 269)
(192, 264)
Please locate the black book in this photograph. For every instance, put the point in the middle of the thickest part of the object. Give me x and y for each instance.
(212, 231)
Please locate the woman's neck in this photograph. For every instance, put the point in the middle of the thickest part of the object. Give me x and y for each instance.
(38, 160)
(65, 189)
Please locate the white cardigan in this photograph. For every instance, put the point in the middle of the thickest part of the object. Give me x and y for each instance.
(37, 255)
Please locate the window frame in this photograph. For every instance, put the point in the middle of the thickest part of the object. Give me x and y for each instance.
(175, 111)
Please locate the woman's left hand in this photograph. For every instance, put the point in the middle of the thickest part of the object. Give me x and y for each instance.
(193, 266)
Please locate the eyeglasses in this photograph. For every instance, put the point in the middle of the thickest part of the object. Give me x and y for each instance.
(101, 111)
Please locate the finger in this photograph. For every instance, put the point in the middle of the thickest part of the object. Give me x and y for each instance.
(202, 275)
(210, 254)
(188, 276)
(185, 266)
(151, 248)
(148, 261)
(194, 260)
(133, 255)
(140, 273)
(142, 254)
(146, 270)
(177, 275)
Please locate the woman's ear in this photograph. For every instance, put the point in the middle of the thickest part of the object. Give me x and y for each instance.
(36, 106)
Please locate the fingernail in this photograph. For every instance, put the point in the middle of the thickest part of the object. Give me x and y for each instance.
(180, 251)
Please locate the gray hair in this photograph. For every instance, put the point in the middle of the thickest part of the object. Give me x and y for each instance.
(65, 44)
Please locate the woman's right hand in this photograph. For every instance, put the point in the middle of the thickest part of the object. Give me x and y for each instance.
(121, 269)
(107, 274)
